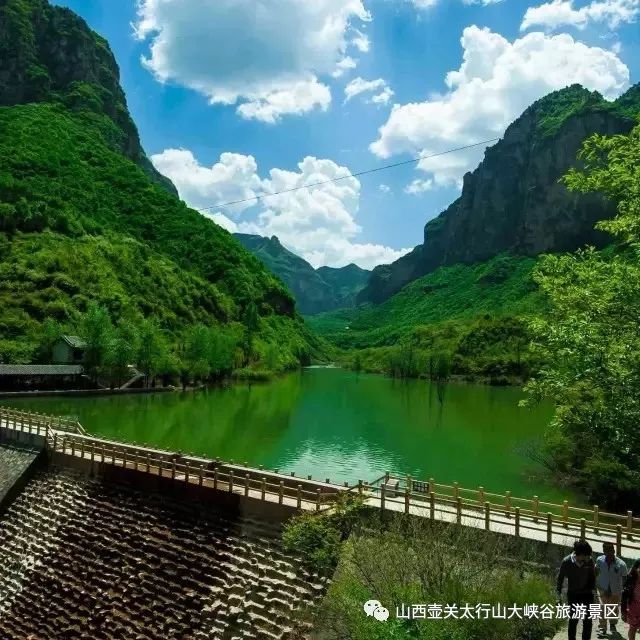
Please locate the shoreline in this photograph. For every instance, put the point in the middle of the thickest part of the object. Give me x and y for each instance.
(83, 392)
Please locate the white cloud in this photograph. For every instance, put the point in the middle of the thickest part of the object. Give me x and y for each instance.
(316, 222)
(558, 13)
(383, 97)
(299, 98)
(385, 188)
(266, 60)
(428, 4)
(496, 81)
(357, 86)
(418, 186)
(343, 66)
(361, 41)
(233, 177)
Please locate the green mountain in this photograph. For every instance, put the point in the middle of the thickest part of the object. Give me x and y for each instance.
(345, 282)
(85, 218)
(315, 290)
(513, 201)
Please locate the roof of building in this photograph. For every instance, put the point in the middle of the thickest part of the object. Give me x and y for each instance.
(40, 369)
(75, 342)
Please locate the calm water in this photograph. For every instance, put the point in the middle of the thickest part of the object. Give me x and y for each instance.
(335, 424)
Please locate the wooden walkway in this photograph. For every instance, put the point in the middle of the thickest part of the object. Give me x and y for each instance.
(558, 524)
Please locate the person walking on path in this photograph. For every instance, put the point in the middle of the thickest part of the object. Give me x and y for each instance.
(631, 600)
(579, 570)
(611, 573)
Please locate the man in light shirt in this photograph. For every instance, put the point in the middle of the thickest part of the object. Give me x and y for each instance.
(611, 572)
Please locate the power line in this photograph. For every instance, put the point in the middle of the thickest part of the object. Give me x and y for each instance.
(351, 175)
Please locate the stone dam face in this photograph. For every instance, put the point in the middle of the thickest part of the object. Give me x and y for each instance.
(13, 463)
(81, 558)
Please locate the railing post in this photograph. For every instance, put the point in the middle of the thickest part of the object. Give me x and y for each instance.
(124, 457)
(93, 451)
(596, 518)
(387, 475)
(148, 463)
(201, 475)
(619, 540)
(536, 508)
(583, 529)
(318, 500)
(458, 510)
(186, 471)
(517, 522)
(360, 487)
(565, 514)
(480, 495)
(246, 484)
(215, 478)
(507, 503)
(549, 527)
(82, 449)
(432, 505)
(406, 500)
(263, 489)
(230, 481)
(136, 462)
(432, 485)
(629, 524)
(456, 490)
(299, 497)
(173, 469)
(281, 492)
(382, 492)
(487, 516)
(73, 448)
(55, 442)
(160, 467)
(102, 451)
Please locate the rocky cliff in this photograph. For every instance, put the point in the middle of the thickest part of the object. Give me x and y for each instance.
(315, 290)
(513, 202)
(49, 53)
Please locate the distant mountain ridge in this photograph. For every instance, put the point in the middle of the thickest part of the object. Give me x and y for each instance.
(513, 202)
(315, 290)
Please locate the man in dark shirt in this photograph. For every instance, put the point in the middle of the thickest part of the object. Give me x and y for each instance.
(579, 570)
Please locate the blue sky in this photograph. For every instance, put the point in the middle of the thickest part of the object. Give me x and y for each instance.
(247, 97)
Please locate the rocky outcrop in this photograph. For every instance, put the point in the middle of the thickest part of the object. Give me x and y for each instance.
(315, 290)
(513, 202)
(49, 54)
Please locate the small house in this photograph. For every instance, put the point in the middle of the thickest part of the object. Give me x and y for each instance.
(69, 350)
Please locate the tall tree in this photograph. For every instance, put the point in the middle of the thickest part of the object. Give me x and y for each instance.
(590, 340)
(121, 352)
(96, 329)
(152, 352)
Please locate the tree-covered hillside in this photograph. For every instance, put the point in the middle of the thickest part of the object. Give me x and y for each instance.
(84, 221)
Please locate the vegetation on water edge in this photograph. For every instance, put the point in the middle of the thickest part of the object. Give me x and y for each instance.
(589, 340)
(404, 560)
(470, 315)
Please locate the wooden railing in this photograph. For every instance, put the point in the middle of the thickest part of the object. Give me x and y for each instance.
(522, 517)
(508, 513)
(33, 422)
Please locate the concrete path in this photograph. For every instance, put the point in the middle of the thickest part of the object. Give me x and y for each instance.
(621, 632)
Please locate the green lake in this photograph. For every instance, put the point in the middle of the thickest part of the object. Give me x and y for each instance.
(335, 424)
